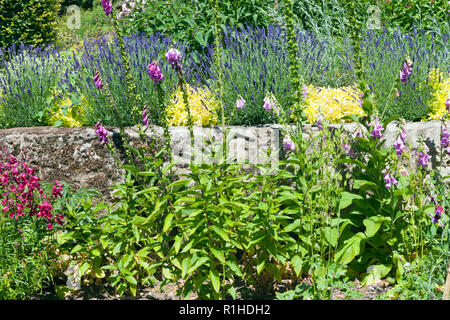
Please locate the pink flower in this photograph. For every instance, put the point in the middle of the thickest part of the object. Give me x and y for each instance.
(98, 81)
(56, 190)
(423, 159)
(377, 127)
(144, 118)
(405, 72)
(107, 6)
(288, 144)
(240, 103)
(155, 73)
(399, 146)
(173, 57)
(101, 132)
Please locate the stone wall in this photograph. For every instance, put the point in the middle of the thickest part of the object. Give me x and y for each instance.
(75, 156)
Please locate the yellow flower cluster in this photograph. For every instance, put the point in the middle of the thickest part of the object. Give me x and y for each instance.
(202, 105)
(440, 88)
(65, 112)
(331, 103)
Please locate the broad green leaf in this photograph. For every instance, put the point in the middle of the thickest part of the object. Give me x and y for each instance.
(376, 273)
(220, 232)
(293, 226)
(331, 235)
(198, 263)
(177, 243)
(62, 291)
(131, 279)
(185, 266)
(168, 222)
(373, 224)
(218, 254)
(84, 268)
(351, 249)
(347, 199)
(297, 264)
(215, 280)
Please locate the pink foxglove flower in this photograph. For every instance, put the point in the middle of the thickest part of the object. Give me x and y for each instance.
(423, 159)
(101, 132)
(98, 81)
(240, 103)
(399, 146)
(173, 56)
(288, 144)
(377, 127)
(107, 6)
(144, 118)
(155, 73)
(447, 105)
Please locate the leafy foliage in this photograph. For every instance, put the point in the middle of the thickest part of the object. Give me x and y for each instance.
(31, 22)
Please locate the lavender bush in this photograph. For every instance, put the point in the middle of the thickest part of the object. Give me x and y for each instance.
(255, 63)
(103, 56)
(26, 81)
(399, 88)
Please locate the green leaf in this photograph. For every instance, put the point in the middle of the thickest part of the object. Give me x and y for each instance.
(84, 267)
(347, 199)
(351, 249)
(215, 280)
(177, 243)
(218, 254)
(185, 266)
(138, 220)
(373, 224)
(331, 235)
(376, 273)
(77, 248)
(297, 263)
(293, 226)
(62, 291)
(220, 232)
(198, 263)
(168, 222)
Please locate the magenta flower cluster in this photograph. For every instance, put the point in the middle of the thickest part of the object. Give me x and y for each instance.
(288, 144)
(173, 56)
(98, 81)
(155, 73)
(101, 132)
(424, 157)
(405, 72)
(377, 128)
(389, 179)
(107, 6)
(22, 194)
(399, 144)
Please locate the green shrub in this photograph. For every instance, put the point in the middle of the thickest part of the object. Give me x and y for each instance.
(31, 22)
(192, 22)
